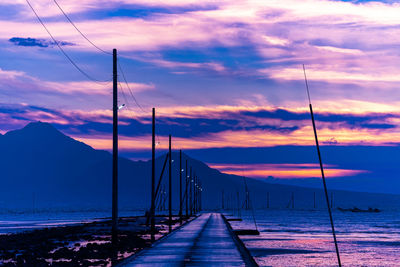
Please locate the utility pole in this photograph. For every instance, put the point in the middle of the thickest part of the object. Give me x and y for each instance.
(114, 233)
(200, 189)
(222, 200)
(200, 193)
(186, 190)
(195, 193)
(153, 175)
(322, 169)
(238, 203)
(247, 200)
(314, 202)
(180, 186)
(292, 200)
(191, 194)
(170, 188)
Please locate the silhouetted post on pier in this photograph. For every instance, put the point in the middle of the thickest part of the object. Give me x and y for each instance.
(114, 228)
(161, 176)
(292, 200)
(33, 203)
(153, 175)
(180, 186)
(238, 203)
(200, 191)
(200, 195)
(247, 199)
(170, 188)
(222, 200)
(191, 194)
(322, 169)
(164, 199)
(186, 189)
(315, 204)
(196, 194)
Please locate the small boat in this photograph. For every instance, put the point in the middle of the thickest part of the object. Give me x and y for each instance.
(246, 232)
(355, 209)
(234, 219)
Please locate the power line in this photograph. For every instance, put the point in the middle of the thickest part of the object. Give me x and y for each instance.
(132, 113)
(119, 65)
(130, 91)
(102, 50)
(61, 49)
(83, 35)
(126, 100)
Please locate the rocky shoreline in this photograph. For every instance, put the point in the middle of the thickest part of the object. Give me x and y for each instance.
(85, 244)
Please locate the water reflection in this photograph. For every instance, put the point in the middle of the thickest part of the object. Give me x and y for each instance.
(303, 238)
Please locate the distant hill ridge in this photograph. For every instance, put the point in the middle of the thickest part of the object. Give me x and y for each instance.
(40, 164)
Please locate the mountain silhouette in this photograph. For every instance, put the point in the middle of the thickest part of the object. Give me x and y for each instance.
(41, 163)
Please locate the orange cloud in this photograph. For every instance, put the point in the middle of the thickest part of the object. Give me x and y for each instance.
(283, 170)
(253, 138)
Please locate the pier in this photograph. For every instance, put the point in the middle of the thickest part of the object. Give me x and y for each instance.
(207, 240)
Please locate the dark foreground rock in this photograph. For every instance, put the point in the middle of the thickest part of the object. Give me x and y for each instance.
(87, 244)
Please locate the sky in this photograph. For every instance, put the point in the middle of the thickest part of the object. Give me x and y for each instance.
(221, 74)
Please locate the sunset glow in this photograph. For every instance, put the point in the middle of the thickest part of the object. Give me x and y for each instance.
(283, 170)
(224, 74)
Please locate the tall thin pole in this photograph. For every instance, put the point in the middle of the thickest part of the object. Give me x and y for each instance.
(194, 193)
(170, 188)
(222, 200)
(247, 200)
(191, 194)
(197, 194)
(322, 171)
(114, 237)
(200, 192)
(292, 200)
(238, 203)
(180, 186)
(153, 174)
(315, 204)
(186, 189)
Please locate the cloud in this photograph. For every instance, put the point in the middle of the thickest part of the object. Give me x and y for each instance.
(350, 51)
(332, 76)
(285, 171)
(37, 42)
(214, 66)
(22, 87)
(233, 128)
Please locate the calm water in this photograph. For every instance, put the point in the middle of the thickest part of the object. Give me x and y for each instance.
(288, 237)
(303, 238)
(17, 222)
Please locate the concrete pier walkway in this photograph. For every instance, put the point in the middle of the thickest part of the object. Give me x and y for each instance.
(205, 241)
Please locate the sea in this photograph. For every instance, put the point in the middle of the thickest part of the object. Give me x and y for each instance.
(288, 237)
(304, 237)
(16, 222)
